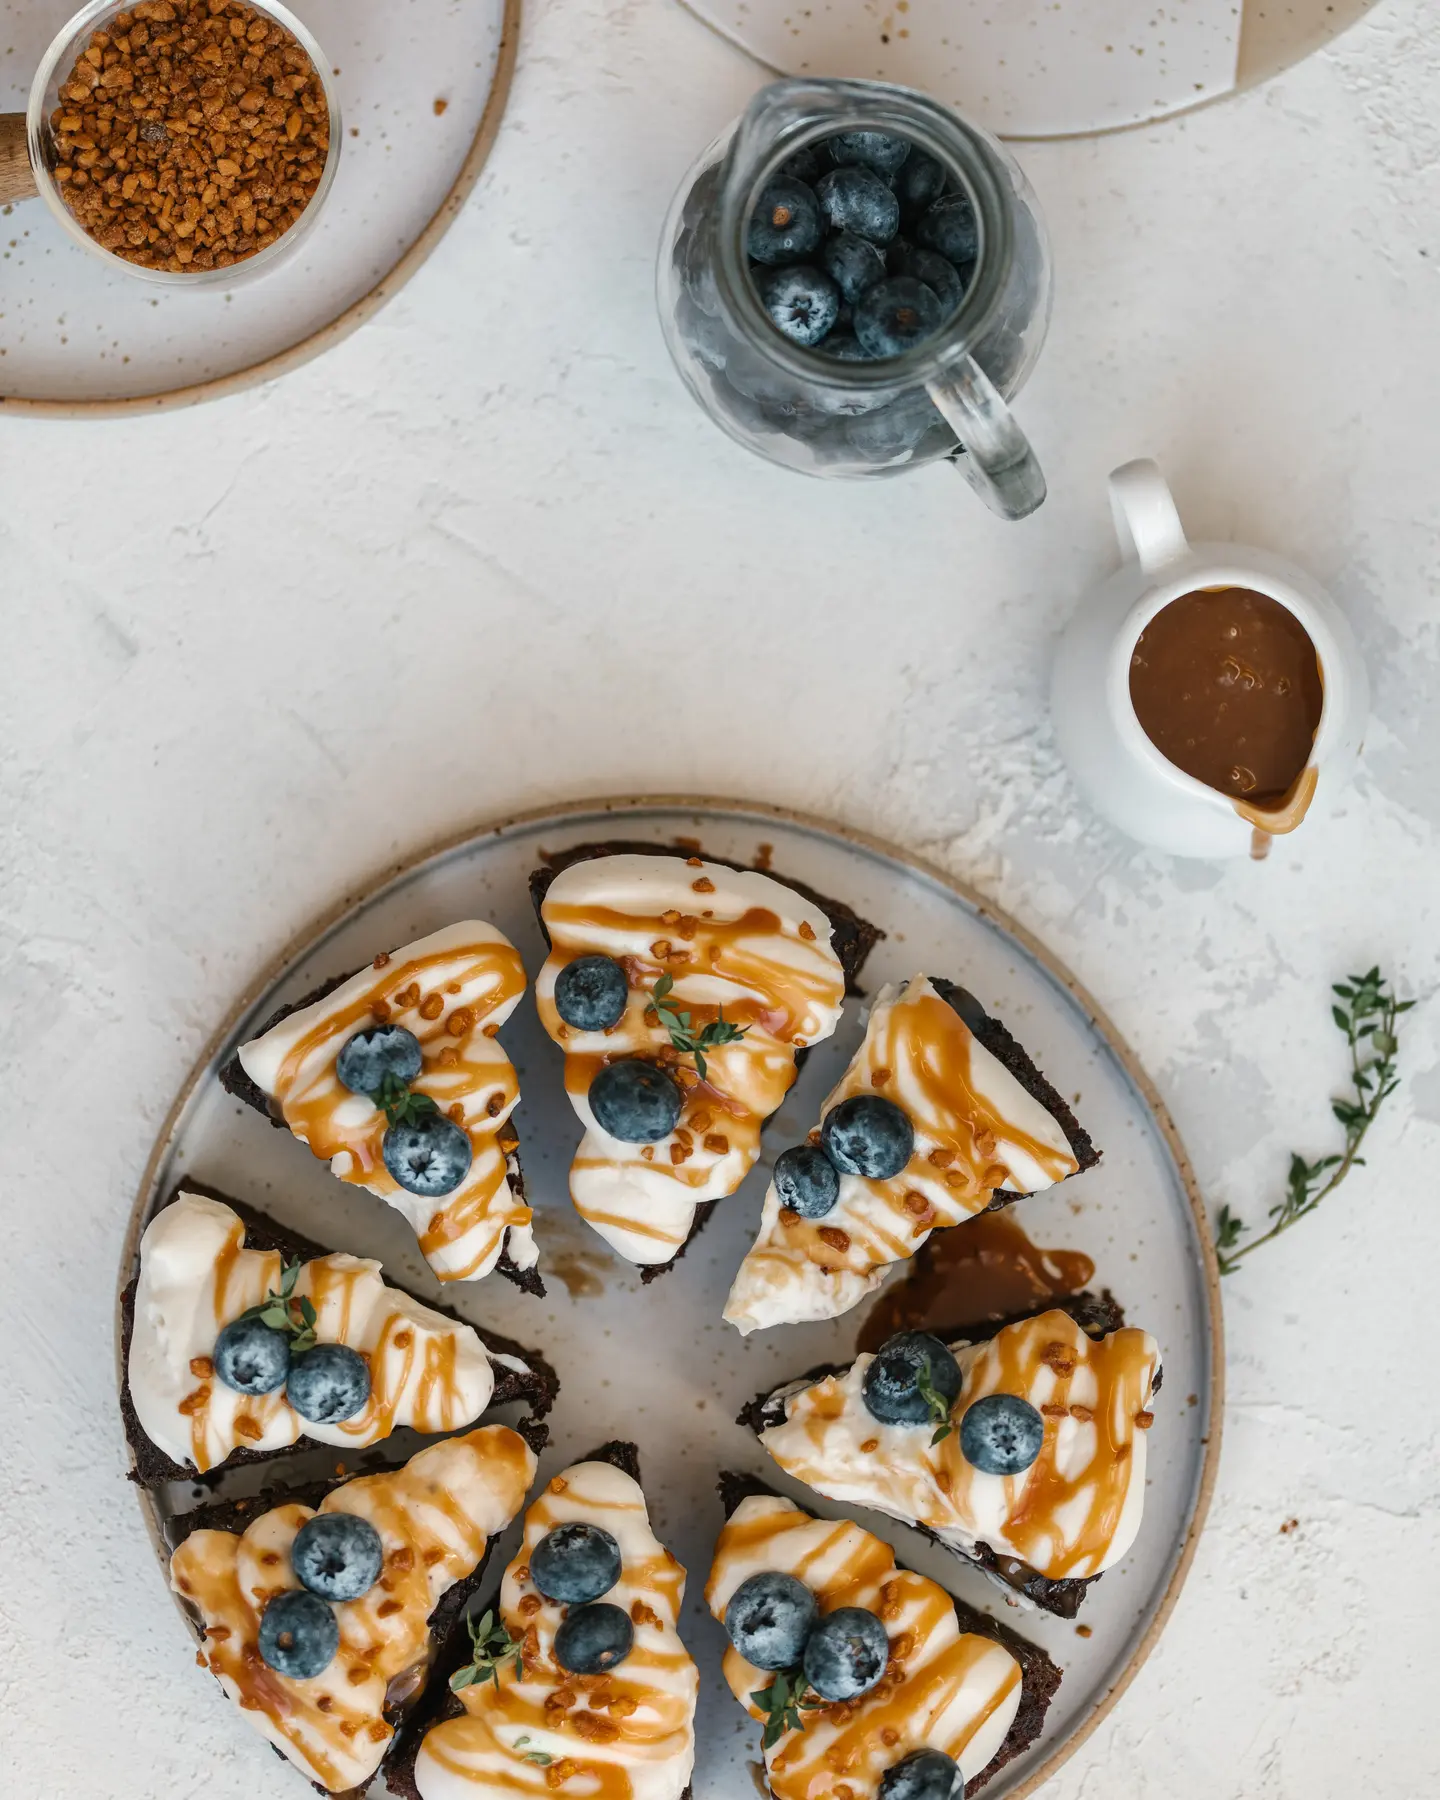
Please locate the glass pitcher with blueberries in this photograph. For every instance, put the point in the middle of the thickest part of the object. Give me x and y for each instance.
(854, 281)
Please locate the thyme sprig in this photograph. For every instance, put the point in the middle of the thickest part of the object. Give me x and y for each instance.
(541, 1757)
(936, 1401)
(491, 1643)
(683, 1034)
(400, 1104)
(784, 1705)
(1367, 1012)
(283, 1310)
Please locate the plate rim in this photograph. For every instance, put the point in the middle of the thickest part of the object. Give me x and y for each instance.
(369, 886)
(358, 313)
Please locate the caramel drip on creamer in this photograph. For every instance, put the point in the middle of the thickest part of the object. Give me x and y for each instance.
(434, 1517)
(1070, 1514)
(942, 1688)
(610, 1737)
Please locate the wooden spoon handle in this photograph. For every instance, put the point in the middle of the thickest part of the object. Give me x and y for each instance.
(17, 178)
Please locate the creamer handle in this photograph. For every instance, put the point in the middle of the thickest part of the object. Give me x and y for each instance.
(17, 178)
(1146, 521)
(998, 461)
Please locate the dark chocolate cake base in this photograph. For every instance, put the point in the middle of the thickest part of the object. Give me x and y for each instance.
(1039, 1675)
(536, 1389)
(234, 1080)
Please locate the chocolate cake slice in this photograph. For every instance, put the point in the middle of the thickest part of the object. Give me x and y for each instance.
(439, 1145)
(428, 1367)
(1045, 1530)
(477, 1758)
(685, 991)
(765, 1519)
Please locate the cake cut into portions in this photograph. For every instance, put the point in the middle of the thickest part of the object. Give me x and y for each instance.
(577, 1681)
(682, 992)
(866, 1676)
(226, 1315)
(321, 1620)
(396, 1078)
(1021, 1451)
(939, 1116)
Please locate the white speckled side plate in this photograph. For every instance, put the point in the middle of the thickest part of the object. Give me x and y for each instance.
(658, 1364)
(74, 330)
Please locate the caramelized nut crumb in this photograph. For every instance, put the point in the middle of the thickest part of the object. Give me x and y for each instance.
(717, 1143)
(834, 1237)
(878, 1077)
(807, 931)
(432, 1006)
(1144, 1420)
(703, 885)
(870, 1446)
(202, 1366)
(381, 960)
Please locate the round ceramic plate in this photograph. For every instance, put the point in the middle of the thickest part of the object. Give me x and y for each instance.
(422, 87)
(658, 1364)
(1039, 68)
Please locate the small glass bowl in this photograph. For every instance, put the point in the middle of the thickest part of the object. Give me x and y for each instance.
(55, 67)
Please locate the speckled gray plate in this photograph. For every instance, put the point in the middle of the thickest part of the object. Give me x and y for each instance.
(658, 1364)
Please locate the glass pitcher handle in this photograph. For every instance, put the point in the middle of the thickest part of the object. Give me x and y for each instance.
(998, 461)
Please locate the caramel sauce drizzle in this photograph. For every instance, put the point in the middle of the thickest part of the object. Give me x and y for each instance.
(1061, 1516)
(931, 1660)
(333, 1726)
(594, 1727)
(447, 999)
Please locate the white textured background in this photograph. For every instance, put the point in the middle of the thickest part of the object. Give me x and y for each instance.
(487, 555)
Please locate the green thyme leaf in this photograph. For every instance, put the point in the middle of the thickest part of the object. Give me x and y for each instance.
(935, 1402)
(683, 1035)
(491, 1644)
(784, 1704)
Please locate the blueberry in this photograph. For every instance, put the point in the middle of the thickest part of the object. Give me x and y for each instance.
(769, 1618)
(329, 1383)
(807, 1181)
(896, 252)
(1001, 1434)
(337, 1555)
(876, 150)
(594, 1638)
(868, 1135)
(590, 993)
(429, 1155)
(251, 1357)
(807, 165)
(803, 302)
(853, 263)
(844, 346)
(785, 222)
(368, 1057)
(299, 1635)
(891, 1384)
(855, 200)
(950, 227)
(931, 268)
(897, 314)
(575, 1563)
(919, 184)
(846, 1653)
(894, 431)
(635, 1101)
(923, 1775)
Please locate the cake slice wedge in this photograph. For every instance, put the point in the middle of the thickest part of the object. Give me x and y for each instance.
(939, 1116)
(395, 1077)
(206, 1261)
(1042, 1486)
(946, 1682)
(683, 991)
(321, 1610)
(509, 1718)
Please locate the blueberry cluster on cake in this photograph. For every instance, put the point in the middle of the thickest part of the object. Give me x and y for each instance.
(939, 1116)
(867, 1678)
(396, 1078)
(243, 1340)
(683, 990)
(1021, 1449)
(575, 1678)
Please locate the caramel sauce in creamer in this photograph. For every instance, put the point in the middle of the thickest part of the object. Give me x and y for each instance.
(628, 1733)
(434, 1517)
(452, 990)
(1072, 1513)
(772, 970)
(943, 1689)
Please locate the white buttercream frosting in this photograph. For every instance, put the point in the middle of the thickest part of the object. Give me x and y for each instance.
(977, 1130)
(453, 990)
(626, 1735)
(731, 940)
(426, 1371)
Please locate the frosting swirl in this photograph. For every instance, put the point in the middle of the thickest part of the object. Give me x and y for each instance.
(434, 1516)
(976, 1130)
(626, 1735)
(453, 990)
(730, 938)
(426, 1371)
(943, 1688)
(1074, 1512)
